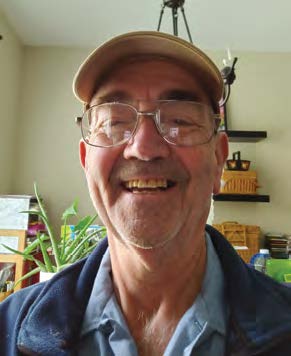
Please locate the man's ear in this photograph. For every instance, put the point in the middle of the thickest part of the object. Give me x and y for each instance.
(221, 153)
(82, 153)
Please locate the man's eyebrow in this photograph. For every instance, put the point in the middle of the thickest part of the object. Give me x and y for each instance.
(179, 94)
(111, 97)
(172, 94)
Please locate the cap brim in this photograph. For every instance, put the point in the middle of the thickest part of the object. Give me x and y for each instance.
(153, 43)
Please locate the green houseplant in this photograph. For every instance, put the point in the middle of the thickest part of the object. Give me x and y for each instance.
(56, 253)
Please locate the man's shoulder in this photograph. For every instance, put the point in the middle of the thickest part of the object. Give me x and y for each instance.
(69, 279)
(12, 310)
(19, 297)
(27, 314)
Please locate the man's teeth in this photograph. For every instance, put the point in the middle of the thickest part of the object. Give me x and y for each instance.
(146, 184)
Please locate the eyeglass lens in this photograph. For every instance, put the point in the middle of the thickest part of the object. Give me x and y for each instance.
(182, 123)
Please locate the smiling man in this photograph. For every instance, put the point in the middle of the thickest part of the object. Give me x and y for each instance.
(152, 189)
(162, 283)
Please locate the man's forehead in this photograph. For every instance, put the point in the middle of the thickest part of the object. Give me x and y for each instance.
(105, 92)
(129, 62)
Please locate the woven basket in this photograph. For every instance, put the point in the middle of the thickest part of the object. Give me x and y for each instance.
(239, 182)
(244, 238)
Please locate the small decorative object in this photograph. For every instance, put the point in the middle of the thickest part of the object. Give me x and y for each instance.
(6, 284)
(236, 164)
(56, 253)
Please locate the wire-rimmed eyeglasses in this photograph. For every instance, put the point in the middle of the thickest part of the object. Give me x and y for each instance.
(181, 123)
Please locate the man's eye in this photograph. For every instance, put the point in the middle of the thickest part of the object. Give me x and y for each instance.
(117, 121)
(182, 121)
(106, 121)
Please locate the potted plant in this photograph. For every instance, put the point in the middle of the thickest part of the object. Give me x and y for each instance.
(51, 253)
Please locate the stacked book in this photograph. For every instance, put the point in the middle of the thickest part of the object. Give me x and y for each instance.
(278, 244)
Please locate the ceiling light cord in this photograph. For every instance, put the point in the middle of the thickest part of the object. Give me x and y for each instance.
(175, 5)
(227, 73)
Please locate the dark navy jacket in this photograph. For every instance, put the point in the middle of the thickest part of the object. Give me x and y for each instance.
(45, 319)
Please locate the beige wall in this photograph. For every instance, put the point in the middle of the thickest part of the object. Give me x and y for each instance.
(47, 138)
(10, 77)
(261, 100)
(47, 135)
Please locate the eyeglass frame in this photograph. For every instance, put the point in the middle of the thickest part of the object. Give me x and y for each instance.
(216, 119)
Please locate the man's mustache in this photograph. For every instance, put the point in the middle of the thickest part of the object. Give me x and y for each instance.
(125, 170)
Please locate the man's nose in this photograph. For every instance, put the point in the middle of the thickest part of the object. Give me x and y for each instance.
(146, 144)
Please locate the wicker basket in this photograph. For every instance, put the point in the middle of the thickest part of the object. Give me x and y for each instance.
(239, 182)
(244, 238)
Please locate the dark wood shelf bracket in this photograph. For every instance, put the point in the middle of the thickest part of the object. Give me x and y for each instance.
(242, 197)
(246, 136)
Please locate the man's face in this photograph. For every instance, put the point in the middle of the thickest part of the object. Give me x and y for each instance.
(151, 217)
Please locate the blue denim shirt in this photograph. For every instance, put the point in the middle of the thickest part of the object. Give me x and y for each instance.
(201, 329)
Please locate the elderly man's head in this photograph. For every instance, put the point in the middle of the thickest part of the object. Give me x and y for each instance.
(150, 152)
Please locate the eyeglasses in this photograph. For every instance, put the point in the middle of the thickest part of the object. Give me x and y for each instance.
(181, 123)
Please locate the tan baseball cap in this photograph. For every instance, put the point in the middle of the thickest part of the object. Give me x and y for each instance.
(103, 59)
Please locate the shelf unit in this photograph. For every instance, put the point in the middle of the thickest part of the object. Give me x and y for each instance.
(244, 136)
(242, 198)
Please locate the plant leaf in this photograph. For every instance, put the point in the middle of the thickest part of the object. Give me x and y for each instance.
(29, 249)
(85, 252)
(29, 274)
(83, 223)
(41, 265)
(84, 248)
(53, 239)
(79, 236)
(45, 255)
(25, 256)
(71, 211)
(74, 255)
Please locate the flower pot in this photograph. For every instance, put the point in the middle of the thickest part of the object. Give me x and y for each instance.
(45, 276)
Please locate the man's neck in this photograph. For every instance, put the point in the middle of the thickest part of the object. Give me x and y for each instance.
(155, 287)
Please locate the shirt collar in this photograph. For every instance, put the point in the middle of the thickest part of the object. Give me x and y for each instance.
(101, 295)
(213, 292)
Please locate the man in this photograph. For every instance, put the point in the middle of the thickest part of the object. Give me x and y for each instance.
(163, 283)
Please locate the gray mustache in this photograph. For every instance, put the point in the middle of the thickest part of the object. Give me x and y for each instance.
(125, 170)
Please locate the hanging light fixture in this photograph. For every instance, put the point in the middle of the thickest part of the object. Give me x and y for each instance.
(175, 5)
(227, 72)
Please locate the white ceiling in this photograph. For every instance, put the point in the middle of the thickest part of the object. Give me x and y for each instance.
(256, 25)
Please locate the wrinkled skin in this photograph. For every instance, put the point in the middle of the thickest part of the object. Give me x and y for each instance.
(153, 219)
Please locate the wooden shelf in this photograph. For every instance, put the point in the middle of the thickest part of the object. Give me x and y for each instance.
(246, 136)
(242, 197)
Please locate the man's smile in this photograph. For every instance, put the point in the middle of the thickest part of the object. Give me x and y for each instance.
(148, 185)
